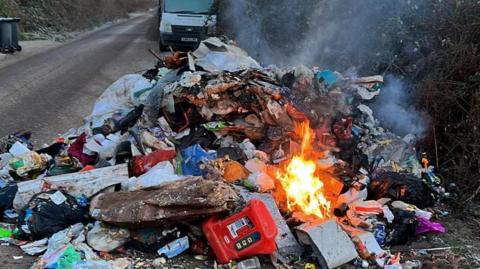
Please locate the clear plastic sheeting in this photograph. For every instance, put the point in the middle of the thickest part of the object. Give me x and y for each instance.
(213, 55)
(103, 237)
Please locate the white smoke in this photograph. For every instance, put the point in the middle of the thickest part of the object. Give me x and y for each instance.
(394, 109)
(364, 36)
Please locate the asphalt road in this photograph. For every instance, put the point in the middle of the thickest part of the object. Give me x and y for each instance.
(52, 91)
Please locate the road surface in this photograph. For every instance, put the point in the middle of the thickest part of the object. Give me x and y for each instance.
(52, 91)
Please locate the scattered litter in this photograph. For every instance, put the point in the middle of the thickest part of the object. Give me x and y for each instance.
(35, 247)
(219, 158)
(18, 149)
(162, 173)
(252, 263)
(58, 198)
(103, 237)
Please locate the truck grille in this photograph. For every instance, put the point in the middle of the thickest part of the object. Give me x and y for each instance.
(180, 29)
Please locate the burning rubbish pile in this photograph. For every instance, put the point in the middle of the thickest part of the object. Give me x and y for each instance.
(219, 157)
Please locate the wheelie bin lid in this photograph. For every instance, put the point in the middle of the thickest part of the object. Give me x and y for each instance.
(3, 19)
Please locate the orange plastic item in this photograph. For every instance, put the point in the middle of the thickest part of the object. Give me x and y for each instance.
(234, 171)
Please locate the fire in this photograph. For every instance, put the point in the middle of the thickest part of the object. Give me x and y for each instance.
(304, 190)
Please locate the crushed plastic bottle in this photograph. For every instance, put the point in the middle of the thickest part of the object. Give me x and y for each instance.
(252, 263)
(175, 248)
(415, 264)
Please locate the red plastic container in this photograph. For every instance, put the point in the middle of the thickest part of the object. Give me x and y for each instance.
(141, 164)
(247, 233)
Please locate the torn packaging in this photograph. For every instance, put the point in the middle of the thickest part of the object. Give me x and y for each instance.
(77, 184)
(187, 199)
(214, 55)
(103, 237)
(330, 244)
(224, 98)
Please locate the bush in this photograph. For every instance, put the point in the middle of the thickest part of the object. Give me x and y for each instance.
(8, 8)
(52, 17)
(451, 93)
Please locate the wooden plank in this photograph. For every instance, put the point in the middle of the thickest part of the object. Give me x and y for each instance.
(187, 199)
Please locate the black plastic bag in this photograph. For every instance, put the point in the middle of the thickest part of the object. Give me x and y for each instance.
(41, 217)
(403, 227)
(129, 120)
(403, 187)
(198, 135)
(7, 194)
(52, 150)
(234, 153)
(112, 126)
(148, 240)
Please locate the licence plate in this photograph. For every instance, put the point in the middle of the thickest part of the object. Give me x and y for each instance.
(189, 39)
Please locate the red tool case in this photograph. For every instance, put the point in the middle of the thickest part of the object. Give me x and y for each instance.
(250, 232)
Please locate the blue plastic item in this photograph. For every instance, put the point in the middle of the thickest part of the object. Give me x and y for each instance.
(174, 248)
(100, 264)
(82, 201)
(380, 234)
(329, 78)
(192, 157)
(3, 184)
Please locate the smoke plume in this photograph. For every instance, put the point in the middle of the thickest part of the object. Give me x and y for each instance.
(394, 110)
(364, 36)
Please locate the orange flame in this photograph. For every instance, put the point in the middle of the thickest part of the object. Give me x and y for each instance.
(299, 179)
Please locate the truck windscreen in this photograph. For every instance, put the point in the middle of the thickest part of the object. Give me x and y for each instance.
(188, 6)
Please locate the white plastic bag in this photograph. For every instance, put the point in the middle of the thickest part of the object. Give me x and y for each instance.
(120, 97)
(160, 174)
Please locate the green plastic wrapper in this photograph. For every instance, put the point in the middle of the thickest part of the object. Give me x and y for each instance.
(68, 258)
(5, 233)
(214, 125)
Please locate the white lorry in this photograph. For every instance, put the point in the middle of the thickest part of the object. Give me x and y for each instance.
(186, 22)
